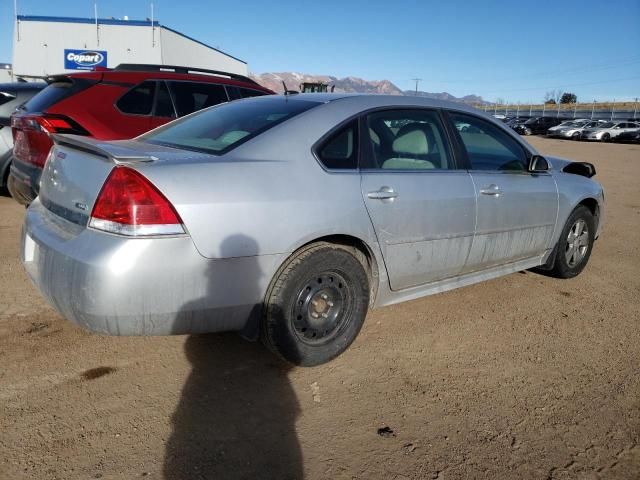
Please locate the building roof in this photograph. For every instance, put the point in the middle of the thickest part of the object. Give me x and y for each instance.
(114, 21)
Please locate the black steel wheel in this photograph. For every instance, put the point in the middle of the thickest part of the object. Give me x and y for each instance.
(316, 304)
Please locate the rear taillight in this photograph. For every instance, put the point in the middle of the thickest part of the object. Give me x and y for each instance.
(32, 135)
(129, 204)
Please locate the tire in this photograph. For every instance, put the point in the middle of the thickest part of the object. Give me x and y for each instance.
(575, 136)
(574, 246)
(605, 137)
(316, 304)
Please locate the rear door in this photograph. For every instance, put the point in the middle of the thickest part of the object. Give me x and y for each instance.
(516, 209)
(137, 106)
(422, 206)
(189, 97)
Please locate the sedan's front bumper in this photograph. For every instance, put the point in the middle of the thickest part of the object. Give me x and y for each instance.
(139, 286)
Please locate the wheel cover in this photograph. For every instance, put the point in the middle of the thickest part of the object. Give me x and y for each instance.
(577, 243)
(323, 307)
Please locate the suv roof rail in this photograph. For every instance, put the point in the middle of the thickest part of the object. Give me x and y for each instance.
(149, 67)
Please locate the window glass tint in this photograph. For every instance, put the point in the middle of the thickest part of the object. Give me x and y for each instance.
(164, 107)
(248, 92)
(221, 129)
(138, 100)
(56, 92)
(488, 147)
(340, 151)
(190, 97)
(233, 92)
(407, 140)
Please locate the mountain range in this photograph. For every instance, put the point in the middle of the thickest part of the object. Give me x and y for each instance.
(293, 80)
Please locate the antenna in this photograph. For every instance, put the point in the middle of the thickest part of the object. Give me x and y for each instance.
(15, 13)
(95, 13)
(153, 29)
(417, 80)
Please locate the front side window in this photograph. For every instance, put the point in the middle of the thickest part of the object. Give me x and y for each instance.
(407, 140)
(487, 146)
(138, 100)
(190, 97)
(220, 129)
(340, 150)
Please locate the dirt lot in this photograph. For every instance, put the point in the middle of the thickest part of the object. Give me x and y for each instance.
(520, 377)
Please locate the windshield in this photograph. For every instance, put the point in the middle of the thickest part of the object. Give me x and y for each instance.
(219, 129)
(531, 120)
(605, 125)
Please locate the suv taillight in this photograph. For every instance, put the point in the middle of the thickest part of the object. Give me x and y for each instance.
(31, 135)
(129, 204)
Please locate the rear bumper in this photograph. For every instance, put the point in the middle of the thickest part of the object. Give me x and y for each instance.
(155, 286)
(23, 182)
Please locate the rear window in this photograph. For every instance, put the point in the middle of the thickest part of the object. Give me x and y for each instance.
(220, 129)
(55, 92)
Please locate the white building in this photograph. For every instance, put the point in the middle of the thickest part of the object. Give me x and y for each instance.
(47, 45)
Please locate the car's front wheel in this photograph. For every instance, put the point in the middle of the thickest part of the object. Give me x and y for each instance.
(316, 304)
(574, 246)
(575, 136)
(605, 138)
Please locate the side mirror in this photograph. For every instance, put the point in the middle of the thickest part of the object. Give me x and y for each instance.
(538, 164)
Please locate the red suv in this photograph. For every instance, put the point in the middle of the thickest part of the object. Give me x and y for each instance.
(111, 105)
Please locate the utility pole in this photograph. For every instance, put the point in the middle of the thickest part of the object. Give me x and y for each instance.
(635, 108)
(593, 107)
(530, 110)
(575, 106)
(417, 80)
(518, 111)
(613, 106)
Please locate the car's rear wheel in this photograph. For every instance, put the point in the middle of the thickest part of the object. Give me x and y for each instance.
(574, 246)
(316, 304)
(606, 137)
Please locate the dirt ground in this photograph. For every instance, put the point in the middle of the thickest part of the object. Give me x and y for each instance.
(520, 377)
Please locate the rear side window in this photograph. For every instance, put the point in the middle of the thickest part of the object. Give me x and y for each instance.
(488, 147)
(219, 130)
(190, 97)
(138, 100)
(236, 93)
(56, 92)
(407, 140)
(340, 150)
(164, 106)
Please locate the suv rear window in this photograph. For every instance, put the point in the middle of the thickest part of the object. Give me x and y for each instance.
(56, 92)
(219, 130)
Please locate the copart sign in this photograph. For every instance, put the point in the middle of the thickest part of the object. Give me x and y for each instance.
(84, 59)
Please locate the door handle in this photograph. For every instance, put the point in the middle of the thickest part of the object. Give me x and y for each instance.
(492, 189)
(385, 193)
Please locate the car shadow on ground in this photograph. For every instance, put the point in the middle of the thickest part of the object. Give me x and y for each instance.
(237, 412)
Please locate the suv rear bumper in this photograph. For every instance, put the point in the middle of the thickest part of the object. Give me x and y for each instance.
(23, 181)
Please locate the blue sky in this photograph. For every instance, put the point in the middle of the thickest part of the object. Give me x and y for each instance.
(514, 50)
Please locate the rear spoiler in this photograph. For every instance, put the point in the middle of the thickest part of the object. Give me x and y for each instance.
(110, 151)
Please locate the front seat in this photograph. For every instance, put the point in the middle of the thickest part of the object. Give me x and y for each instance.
(411, 148)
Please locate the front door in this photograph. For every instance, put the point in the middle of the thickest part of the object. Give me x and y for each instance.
(422, 207)
(517, 209)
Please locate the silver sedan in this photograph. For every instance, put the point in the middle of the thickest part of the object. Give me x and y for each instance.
(287, 217)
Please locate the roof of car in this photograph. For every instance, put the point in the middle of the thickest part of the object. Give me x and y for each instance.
(372, 100)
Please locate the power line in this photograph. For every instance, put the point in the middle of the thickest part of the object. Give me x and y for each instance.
(563, 86)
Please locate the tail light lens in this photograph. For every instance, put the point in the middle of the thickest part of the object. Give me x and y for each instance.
(32, 135)
(129, 204)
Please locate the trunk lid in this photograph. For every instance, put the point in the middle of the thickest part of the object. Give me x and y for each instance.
(75, 172)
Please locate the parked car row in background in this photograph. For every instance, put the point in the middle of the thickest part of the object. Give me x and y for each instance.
(577, 129)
